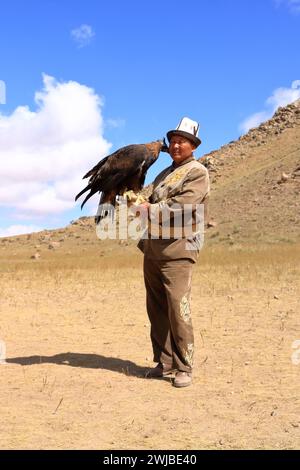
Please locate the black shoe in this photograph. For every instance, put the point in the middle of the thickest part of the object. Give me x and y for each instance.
(161, 370)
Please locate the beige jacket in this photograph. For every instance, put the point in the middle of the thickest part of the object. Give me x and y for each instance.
(173, 188)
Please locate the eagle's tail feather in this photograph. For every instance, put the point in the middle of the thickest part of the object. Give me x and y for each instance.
(91, 193)
(83, 191)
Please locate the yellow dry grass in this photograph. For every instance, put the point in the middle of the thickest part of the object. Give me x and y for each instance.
(77, 340)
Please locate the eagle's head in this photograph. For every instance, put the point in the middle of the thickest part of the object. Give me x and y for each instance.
(164, 147)
(157, 146)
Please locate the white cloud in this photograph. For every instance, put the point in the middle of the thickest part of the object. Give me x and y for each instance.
(292, 5)
(114, 123)
(44, 153)
(83, 35)
(2, 92)
(280, 97)
(18, 230)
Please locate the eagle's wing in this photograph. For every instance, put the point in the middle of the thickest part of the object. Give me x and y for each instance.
(113, 174)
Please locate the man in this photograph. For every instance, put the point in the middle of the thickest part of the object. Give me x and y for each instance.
(168, 260)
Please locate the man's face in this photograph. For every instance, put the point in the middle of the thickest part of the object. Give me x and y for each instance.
(180, 148)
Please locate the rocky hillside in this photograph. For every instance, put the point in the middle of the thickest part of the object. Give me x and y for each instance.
(255, 194)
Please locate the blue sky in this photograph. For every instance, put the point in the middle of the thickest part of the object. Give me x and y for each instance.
(127, 71)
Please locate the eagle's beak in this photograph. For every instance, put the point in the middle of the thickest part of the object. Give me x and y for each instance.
(165, 147)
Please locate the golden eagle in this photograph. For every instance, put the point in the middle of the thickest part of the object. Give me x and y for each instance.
(122, 171)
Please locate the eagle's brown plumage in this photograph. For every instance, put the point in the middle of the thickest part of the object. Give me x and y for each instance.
(123, 170)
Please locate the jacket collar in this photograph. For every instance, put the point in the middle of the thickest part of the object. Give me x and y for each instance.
(187, 160)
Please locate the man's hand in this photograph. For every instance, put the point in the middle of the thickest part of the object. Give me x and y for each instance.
(134, 199)
(143, 209)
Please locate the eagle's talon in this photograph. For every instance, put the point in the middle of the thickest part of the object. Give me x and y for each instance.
(130, 196)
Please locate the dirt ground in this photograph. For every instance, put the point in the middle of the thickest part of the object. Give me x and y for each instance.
(77, 345)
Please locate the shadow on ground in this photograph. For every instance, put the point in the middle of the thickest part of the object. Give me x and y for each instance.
(89, 361)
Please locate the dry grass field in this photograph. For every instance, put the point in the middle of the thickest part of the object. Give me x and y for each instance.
(77, 338)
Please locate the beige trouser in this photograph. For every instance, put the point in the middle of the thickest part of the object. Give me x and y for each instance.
(168, 287)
